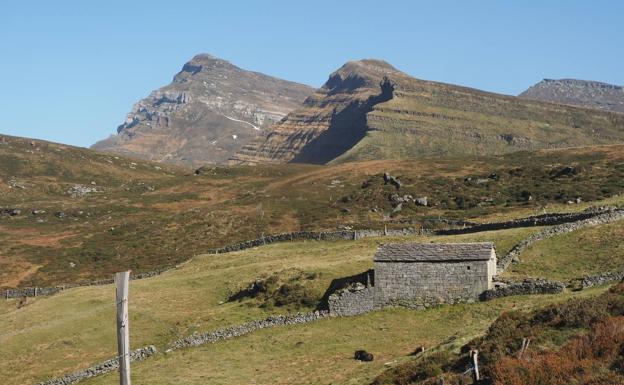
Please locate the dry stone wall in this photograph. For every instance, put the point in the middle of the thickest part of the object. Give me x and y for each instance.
(602, 218)
(314, 235)
(44, 291)
(101, 368)
(248, 327)
(533, 221)
(601, 279)
(528, 286)
(349, 302)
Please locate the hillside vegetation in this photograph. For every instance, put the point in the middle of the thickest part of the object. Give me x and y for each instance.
(579, 341)
(84, 215)
(49, 336)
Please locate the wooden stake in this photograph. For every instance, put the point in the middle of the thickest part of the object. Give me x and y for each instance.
(123, 336)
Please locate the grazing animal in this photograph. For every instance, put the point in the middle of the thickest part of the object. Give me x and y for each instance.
(363, 355)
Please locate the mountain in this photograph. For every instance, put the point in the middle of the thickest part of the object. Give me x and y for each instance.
(581, 93)
(210, 110)
(370, 110)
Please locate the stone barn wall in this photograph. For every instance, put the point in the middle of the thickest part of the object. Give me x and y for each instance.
(420, 284)
(347, 303)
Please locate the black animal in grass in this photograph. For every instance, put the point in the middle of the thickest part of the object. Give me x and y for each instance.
(363, 355)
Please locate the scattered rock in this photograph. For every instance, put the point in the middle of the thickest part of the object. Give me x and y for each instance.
(15, 184)
(38, 212)
(59, 214)
(422, 201)
(78, 190)
(566, 171)
(392, 180)
(11, 212)
(363, 355)
(398, 208)
(345, 210)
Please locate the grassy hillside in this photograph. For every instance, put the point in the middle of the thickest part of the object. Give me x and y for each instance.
(144, 216)
(592, 250)
(49, 336)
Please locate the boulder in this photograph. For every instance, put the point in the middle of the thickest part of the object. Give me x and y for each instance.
(422, 201)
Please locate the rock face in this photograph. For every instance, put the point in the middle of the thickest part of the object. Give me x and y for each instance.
(331, 121)
(210, 110)
(369, 110)
(580, 93)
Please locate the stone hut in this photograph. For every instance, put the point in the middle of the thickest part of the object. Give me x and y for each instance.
(419, 275)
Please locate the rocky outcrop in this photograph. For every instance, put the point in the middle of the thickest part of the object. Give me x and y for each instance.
(368, 110)
(210, 110)
(582, 93)
(331, 121)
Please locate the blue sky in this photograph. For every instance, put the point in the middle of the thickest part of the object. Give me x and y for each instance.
(71, 70)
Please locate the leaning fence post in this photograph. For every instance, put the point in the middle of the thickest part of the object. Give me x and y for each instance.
(123, 336)
(475, 363)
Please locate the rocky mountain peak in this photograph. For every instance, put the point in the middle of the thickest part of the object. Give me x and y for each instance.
(204, 62)
(581, 93)
(209, 110)
(357, 74)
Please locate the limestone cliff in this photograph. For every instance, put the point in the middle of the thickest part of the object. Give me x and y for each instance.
(210, 110)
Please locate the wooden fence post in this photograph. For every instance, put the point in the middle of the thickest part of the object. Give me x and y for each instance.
(475, 363)
(123, 336)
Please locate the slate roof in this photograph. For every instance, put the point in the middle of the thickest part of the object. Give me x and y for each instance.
(426, 252)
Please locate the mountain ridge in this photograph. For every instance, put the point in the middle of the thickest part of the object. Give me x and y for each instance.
(368, 109)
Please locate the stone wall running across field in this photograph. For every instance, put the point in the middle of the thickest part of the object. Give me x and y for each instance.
(600, 279)
(599, 219)
(101, 368)
(248, 327)
(44, 291)
(347, 235)
(528, 286)
(533, 221)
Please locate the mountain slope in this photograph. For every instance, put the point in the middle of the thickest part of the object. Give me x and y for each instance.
(71, 214)
(207, 113)
(580, 93)
(369, 110)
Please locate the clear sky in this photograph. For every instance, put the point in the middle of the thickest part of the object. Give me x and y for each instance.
(71, 70)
